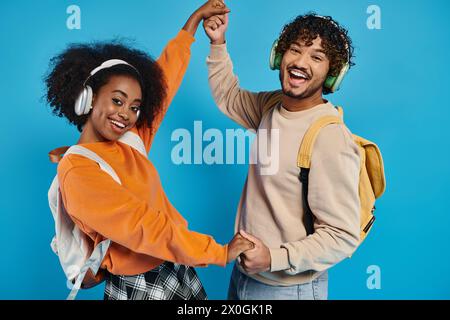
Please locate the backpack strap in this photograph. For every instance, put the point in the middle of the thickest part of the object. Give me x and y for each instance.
(98, 254)
(306, 148)
(134, 141)
(304, 162)
(82, 151)
(93, 263)
(129, 138)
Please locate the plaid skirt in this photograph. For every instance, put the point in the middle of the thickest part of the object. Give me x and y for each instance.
(168, 281)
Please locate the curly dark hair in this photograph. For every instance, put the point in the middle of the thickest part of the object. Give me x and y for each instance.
(72, 67)
(335, 40)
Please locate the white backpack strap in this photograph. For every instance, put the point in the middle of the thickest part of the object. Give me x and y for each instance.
(92, 263)
(82, 151)
(99, 252)
(134, 141)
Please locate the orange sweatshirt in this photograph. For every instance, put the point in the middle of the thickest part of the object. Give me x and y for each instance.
(145, 228)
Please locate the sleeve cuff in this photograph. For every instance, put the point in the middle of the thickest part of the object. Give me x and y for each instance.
(219, 254)
(225, 255)
(279, 259)
(218, 51)
(222, 255)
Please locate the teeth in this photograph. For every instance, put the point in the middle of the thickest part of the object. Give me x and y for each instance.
(121, 125)
(298, 74)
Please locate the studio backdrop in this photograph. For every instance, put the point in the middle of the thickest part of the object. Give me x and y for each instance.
(395, 96)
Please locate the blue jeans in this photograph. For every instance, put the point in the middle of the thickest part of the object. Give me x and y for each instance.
(243, 287)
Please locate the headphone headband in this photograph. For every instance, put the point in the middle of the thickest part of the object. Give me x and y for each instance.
(109, 64)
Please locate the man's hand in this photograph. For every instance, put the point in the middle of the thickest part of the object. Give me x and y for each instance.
(236, 246)
(215, 28)
(256, 260)
(207, 10)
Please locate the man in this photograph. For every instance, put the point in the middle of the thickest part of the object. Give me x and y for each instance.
(292, 251)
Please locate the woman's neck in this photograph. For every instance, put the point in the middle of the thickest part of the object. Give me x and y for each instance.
(90, 135)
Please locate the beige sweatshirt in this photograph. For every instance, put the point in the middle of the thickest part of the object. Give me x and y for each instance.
(271, 204)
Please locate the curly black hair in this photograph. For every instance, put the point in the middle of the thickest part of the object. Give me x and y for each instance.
(70, 69)
(335, 39)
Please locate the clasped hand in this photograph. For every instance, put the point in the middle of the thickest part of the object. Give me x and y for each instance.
(254, 254)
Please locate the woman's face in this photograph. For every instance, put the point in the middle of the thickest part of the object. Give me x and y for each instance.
(116, 106)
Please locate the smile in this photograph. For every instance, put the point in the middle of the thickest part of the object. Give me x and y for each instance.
(118, 126)
(297, 78)
(297, 74)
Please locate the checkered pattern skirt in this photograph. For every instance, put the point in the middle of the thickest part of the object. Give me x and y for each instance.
(168, 281)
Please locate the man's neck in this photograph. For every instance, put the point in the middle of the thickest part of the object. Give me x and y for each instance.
(294, 104)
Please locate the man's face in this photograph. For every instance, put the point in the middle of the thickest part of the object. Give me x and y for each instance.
(304, 69)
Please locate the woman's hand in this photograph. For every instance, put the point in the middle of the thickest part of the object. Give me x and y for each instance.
(215, 28)
(237, 246)
(212, 8)
(207, 10)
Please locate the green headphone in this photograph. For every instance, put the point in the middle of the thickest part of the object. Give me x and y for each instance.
(332, 83)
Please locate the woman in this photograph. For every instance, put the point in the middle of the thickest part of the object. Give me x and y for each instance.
(152, 250)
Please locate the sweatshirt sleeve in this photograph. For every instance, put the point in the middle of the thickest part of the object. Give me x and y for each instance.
(174, 61)
(117, 214)
(244, 107)
(333, 196)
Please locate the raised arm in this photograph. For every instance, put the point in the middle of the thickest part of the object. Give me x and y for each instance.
(174, 61)
(175, 57)
(244, 107)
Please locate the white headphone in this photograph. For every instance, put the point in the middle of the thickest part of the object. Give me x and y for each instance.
(83, 104)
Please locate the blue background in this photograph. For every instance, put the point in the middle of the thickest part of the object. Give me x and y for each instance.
(394, 96)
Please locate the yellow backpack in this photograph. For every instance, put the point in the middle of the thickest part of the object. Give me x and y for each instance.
(372, 183)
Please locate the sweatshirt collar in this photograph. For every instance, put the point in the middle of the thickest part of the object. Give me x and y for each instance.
(299, 114)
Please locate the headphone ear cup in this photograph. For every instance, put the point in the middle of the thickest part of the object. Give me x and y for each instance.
(90, 95)
(84, 101)
(278, 59)
(80, 102)
(275, 58)
(334, 83)
(340, 78)
(329, 82)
